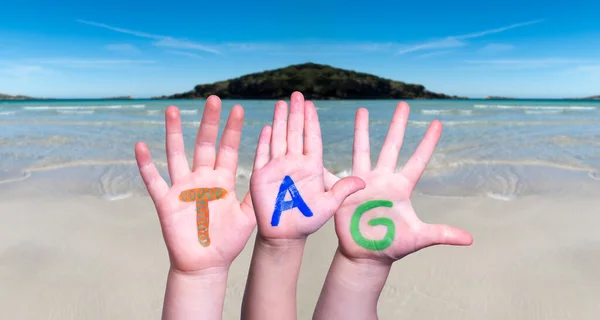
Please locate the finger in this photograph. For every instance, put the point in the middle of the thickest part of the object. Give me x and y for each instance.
(313, 141)
(440, 234)
(329, 178)
(414, 168)
(204, 153)
(247, 208)
(155, 184)
(388, 158)
(342, 189)
(227, 158)
(176, 160)
(361, 153)
(279, 132)
(295, 128)
(261, 158)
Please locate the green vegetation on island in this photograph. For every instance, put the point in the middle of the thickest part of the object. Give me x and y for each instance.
(120, 98)
(315, 81)
(498, 98)
(7, 97)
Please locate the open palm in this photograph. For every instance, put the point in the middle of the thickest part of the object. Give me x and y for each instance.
(379, 222)
(289, 159)
(217, 238)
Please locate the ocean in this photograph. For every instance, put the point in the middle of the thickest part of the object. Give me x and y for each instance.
(500, 149)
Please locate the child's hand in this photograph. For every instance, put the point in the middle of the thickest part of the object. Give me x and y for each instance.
(202, 228)
(288, 190)
(379, 222)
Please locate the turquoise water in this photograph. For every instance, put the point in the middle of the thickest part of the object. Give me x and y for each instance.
(500, 149)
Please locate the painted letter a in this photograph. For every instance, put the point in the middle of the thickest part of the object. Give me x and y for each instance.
(287, 185)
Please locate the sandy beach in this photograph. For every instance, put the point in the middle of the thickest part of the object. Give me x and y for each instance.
(79, 237)
(88, 258)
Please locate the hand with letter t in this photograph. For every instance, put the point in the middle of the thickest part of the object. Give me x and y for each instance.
(290, 203)
(204, 225)
(378, 225)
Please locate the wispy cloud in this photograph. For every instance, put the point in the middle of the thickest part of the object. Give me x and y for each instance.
(528, 63)
(185, 54)
(84, 63)
(162, 41)
(311, 48)
(496, 48)
(449, 42)
(121, 30)
(497, 30)
(456, 41)
(435, 53)
(183, 44)
(20, 71)
(122, 47)
(589, 69)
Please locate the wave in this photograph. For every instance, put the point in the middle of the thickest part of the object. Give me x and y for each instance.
(476, 123)
(188, 111)
(75, 111)
(242, 171)
(153, 112)
(517, 107)
(501, 196)
(49, 108)
(7, 113)
(543, 111)
(118, 196)
(81, 163)
(446, 111)
(26, 174)
(525, 163)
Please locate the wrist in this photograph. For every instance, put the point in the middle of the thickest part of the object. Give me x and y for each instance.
(189, 294)
(360, 274)
(277, 246)
(208, 276)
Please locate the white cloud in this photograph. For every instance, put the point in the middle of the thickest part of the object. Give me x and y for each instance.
(449, 42)
(496, 48)
(299, 48)
(541, 61)
(122, 47)
(87, 63)
(592, 70)
(497, 30)
(311, 48)
(21, 71)
(589, 68)
(185, 54)
(435, 53)
(121, 30)
(528, 63)
(183, 44)
(455, 41)
(164, 41)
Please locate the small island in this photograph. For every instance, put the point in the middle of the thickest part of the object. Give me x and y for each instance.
(7, 97)
(315, 81)
(119, 98)
(498, 98)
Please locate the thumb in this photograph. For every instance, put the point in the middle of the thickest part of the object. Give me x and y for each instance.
(435, 234)
(248, 208)
(246, 204)
(329, 178)
(342, 189)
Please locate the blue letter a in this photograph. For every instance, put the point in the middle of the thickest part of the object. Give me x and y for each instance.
(297, 202)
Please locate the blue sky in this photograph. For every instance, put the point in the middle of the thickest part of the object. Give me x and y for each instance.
(148, 48)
